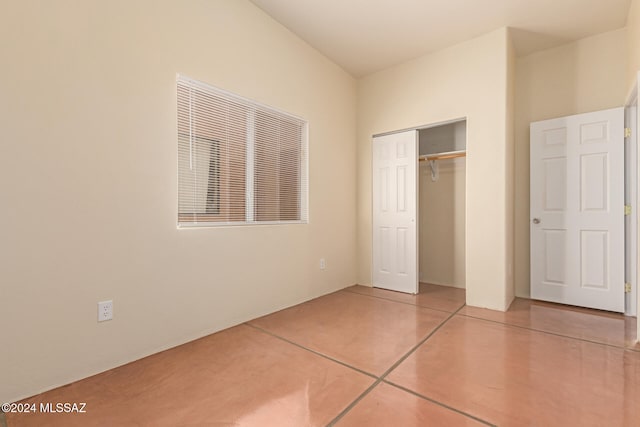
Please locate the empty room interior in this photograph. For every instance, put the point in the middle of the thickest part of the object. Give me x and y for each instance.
(318, 213)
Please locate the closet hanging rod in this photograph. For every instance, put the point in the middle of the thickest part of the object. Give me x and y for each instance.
(442, 156)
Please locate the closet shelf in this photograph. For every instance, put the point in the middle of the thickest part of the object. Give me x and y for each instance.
(442, 156)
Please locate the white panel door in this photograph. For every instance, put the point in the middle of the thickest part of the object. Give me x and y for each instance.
(577, 210)
(395, 243)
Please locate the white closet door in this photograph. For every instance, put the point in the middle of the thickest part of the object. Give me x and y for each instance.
(395, 243)
(577, 210)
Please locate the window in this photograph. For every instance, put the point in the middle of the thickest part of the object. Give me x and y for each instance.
(239, 162)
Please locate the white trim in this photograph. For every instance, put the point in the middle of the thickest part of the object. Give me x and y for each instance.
(637, 142)
(236, 224)
(432, 125)
(632, 300)
(242, 99)
(631, 221)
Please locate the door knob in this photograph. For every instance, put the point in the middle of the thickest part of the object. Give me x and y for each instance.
(536, 220)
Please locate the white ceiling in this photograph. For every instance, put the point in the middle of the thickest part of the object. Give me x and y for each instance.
(364, 36)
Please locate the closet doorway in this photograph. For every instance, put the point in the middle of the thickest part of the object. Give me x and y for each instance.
(442, 175)
(418, 203)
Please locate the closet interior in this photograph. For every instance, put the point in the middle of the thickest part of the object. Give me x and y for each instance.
(441, 194)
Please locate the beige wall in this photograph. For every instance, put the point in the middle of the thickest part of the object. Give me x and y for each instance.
(633, 43)
(442, 221)
(466, 80)
(579, 77)
(88, 181)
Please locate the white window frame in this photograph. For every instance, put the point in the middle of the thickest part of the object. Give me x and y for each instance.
(253, 106)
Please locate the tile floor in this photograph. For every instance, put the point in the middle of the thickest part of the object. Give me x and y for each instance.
(366, 357)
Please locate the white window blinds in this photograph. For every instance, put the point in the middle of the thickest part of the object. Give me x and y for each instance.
(239, 162)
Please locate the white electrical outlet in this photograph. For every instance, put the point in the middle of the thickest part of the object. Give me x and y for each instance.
(105, 310)
(323, 264)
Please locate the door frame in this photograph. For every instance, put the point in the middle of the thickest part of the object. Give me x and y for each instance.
(632, 99)
(417, 193)
(632, 238)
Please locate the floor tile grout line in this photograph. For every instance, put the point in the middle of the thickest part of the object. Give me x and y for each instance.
(388, 371)
(357, 400)
(317, 353)
(402, 302)
(550, 333)
(422, 341)
(399, 302)
(444, 405)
